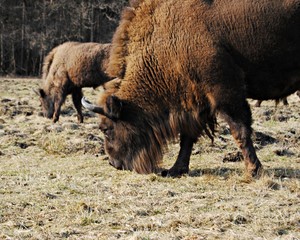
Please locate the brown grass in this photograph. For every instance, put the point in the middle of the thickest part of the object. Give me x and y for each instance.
(55, 182)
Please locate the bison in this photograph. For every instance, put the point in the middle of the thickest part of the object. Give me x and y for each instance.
(183, 62)
(284, 100)
(67, 69)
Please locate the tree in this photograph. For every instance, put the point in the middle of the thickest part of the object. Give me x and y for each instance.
(29, 29)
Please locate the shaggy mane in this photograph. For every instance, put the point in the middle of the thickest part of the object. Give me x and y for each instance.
(47, 62)
(118, 53)
(161, 131)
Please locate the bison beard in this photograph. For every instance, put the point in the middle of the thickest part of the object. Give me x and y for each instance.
(182, 62)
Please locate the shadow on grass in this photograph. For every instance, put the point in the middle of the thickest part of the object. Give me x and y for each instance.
(220, 171)
(225, 172)
(263, 139)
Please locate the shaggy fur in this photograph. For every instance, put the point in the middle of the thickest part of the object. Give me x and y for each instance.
(182, 62)
(67, 69)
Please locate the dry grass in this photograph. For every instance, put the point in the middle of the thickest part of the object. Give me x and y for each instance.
(55, 182)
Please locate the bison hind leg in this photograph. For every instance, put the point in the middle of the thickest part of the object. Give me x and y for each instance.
(258, 103)
(238, 115)
(285, 102)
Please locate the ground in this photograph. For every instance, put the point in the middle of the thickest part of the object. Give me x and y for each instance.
(56, 183)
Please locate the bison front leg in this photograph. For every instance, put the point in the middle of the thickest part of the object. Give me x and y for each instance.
(181, 166)
(76, 96)
(57, 107)
(238, 116)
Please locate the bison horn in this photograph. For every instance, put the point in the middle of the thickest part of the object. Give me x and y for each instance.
(36, 92)
(92, 107)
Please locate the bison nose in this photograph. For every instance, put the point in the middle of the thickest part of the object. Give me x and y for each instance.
(116, 164)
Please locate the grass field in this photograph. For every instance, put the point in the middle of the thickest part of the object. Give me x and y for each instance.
(56, 183)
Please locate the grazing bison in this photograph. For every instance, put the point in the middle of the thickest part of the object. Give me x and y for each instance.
(67, 69)
(284, 100)
(182, 62)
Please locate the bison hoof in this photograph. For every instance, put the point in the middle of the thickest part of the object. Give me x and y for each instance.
(256, 173)
(174, 172)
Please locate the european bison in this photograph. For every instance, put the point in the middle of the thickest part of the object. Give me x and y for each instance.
(67, 69)
(183, 62)
(284, 100)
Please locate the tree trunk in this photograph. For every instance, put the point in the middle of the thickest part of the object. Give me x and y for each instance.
(13, 59)
(81, 22)
(22, 63)
(41, 61)
(43, 37)
(1, 49)
(92, 22)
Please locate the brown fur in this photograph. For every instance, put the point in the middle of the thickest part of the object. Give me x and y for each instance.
(181, 62)
(67, 69)
(48, 62)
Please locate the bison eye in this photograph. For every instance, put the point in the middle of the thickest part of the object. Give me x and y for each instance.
(107, 132)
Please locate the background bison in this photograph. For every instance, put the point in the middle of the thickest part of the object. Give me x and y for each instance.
(284, 100)
(67, 69)
(180, 69)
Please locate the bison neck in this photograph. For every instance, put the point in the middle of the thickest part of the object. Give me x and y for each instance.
(168, 111)
(160, 95)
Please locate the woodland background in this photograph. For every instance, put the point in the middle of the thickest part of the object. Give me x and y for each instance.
(29, 29)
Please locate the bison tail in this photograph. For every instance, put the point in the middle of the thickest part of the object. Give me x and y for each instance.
(47, 62)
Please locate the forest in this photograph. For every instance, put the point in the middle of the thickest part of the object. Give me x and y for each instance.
(29, 29)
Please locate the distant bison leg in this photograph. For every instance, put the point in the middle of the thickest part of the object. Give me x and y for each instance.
(285, 102)
(238, 116)
(258, 103)
(181, 166)
(76, 96)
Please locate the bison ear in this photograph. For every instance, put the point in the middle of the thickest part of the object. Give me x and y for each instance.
(113, 107)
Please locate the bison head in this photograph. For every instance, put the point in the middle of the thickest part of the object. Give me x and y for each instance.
(129, 139)
(47, 103)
